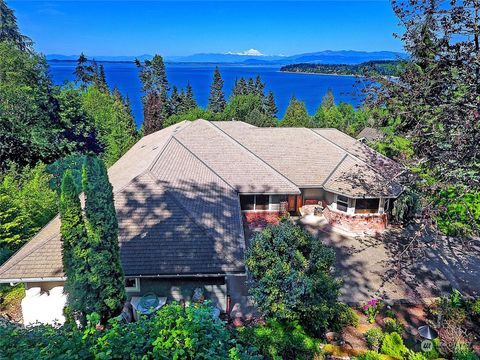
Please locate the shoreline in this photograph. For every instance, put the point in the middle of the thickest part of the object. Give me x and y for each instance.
(316, 73)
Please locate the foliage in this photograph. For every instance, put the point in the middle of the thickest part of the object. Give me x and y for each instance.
(291, 277)
(374, 338)
(248, 108)
(370, 355)
(74, 163)
(191, 115)
(296, 115)
(458, 211)
(9, 30)
(74, 244)
(393, 325)
(394, 147)
(155, 88)
(475, 307)
(464, 352)
(416, 356)
(345, 316)
(435, 98)
(278, 340)
(115, 126)
(11, 295)
(393, 346)
(104, 274)
(434, 353)
(378, 67)
(406, 207)
(216, 100)
(372, 308)
(26, 204)
(173, 333)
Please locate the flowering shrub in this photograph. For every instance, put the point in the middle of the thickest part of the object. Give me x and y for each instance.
(372, 308)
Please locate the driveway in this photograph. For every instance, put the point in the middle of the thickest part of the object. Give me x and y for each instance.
(379, 267)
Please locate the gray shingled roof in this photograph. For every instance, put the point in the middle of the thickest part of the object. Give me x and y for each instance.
(370, 134)
(176, 194)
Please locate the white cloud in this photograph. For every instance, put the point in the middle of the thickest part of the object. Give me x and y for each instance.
(249, 52)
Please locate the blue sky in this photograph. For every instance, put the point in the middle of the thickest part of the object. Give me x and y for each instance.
(184, 28)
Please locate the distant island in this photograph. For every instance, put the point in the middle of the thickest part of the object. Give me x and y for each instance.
(377, 67)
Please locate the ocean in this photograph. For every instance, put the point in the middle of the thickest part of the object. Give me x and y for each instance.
(306, 87)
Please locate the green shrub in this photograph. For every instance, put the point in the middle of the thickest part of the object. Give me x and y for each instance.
(393, 346)
(416, 356)
(434, 353)
(280, 341)
(475, 307)
(345, 316)
(370, 355)
(374, 338)
(173, 333)
(393, 325)
(464, 352)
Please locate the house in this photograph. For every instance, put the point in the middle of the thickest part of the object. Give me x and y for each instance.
(370, 134)
(181, 194)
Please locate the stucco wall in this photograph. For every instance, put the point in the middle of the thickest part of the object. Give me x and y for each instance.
(357, 222)
(45, 286)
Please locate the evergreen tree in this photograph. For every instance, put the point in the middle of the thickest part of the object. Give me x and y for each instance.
(175, 102)
(242, 87)
(105, 275)
(155, 87)
(189, 103)
(74, 245)
(250, 86)
(216, 101)
(153, 114)
(328, 100)
(259, 87)
(258, 118)
(9, 30)
(296, 115)
(100, 79)
(84, 72)
(271, 106)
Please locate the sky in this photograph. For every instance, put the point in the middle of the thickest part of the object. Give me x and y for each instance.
(189, 27)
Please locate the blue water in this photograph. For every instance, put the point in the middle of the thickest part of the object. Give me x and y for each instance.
(307, 87)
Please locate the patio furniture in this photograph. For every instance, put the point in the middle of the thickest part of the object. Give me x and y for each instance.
(146, 304)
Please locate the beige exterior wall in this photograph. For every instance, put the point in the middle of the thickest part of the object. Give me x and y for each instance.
(45, 286)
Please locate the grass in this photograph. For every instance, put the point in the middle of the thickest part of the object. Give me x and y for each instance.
(343, 351)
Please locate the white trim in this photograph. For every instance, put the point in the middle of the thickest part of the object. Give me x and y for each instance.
(135, 288)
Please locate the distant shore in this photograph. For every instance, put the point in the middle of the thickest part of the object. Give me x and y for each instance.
(317, 73)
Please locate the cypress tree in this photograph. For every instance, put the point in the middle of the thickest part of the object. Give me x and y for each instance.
(328, 100)
(271, 106)
(216, 101)
(105, 275)
(74, 241)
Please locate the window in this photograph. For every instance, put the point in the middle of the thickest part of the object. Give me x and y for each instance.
(247, 202)
(342, 203)
(275, 201)
(261, 202)
(132, 284)
(367, 206)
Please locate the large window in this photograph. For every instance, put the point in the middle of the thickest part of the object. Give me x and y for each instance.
(342, 203)
(366, 206)
(261, 202)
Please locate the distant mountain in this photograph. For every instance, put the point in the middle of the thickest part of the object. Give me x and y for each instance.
(349, 57)
(58, 57)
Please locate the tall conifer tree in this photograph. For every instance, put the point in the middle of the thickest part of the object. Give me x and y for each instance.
(9, 30)
(105, 275)
(271, 106)
(216, 101)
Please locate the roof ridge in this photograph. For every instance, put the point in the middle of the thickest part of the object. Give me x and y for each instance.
(232, 139)
(348, 152)
(206, 165)
(334, 169)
